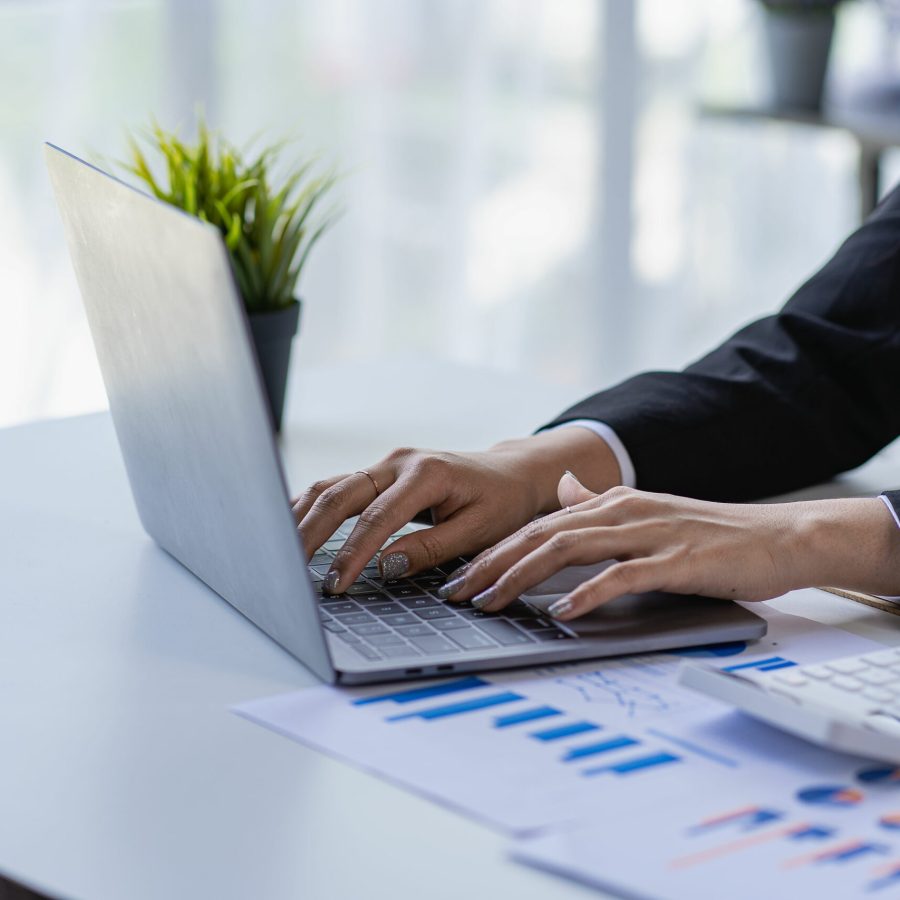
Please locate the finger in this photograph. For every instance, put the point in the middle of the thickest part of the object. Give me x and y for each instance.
(571, 491)
(634, 576)
(614, 507)
(565, 548)
(336, 504)
(301, 505)
(429, 547)
(488, 567)
(390, 511)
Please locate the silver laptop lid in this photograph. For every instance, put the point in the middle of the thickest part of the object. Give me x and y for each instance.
(187, 400)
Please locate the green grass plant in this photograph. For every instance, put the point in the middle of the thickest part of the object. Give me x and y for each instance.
(270, 223)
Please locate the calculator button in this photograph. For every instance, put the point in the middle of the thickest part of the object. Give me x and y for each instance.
(879, 695)
(817, 672)
(877, 676)
(882, 658)
(794, 679)
(846, 666)
(846, 683)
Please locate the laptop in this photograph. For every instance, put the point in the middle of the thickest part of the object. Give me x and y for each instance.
(186, 398)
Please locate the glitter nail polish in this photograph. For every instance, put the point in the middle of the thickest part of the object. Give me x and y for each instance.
(451, 587)
(394, 565)
(561, 607)
(331, 581)
(485, 598)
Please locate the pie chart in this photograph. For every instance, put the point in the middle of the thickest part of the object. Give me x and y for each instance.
(884, 775)
(830, 795)
(732, 648)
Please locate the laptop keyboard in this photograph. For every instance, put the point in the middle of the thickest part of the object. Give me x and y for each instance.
(405, 619)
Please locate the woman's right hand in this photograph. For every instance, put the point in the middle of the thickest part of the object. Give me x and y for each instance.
(475, 499)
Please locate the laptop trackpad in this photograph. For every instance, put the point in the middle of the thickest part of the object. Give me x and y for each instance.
(697, 618)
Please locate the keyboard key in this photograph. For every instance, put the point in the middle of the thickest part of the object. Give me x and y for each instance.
(366, 651)
(402, 619)
(359, 618)
(550, 634)
(366, 630)
(416, 630)
(450, 624)
(434, 643)
(368, 599)
(383, 640)
(449, 567)
(846, 682)
(321, 558)
(419, 602)
(338, 607)
(320, 568)
(429, 582)
(333, 544)
(474, 613)
(470, 639)
(349, 637)
(334, 627)
(538, 624)
(846, 666)
(504, 633)
(396, 650)
(435, 612)
(519, 610)
(385, 609)
(404, 591)
(361, 588)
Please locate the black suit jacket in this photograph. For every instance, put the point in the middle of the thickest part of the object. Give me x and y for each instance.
(788, 401)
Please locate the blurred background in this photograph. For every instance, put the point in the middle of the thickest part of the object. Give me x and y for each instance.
(529, 185)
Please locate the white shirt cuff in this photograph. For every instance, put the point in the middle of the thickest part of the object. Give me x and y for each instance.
(601, 429)
(890, 507)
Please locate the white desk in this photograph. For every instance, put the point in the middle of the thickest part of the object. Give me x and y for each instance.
(122, 773)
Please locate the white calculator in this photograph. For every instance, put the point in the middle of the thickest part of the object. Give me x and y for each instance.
(850, 704)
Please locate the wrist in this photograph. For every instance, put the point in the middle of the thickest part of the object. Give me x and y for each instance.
(545, 456)
(849, 543)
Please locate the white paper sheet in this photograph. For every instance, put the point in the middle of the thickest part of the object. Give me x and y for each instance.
(801, 837)
(524, 751)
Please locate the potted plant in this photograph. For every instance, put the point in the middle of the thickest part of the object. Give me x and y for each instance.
(270, 224)
(799, 35)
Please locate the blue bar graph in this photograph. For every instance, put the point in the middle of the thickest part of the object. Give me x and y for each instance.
(634, 765)
(456, 709)
(763, 665)
(527, 715)
(602, 747)
(785, 664)
(564, 731)
(423, 693)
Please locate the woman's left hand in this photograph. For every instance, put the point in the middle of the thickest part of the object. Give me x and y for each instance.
(683, 546)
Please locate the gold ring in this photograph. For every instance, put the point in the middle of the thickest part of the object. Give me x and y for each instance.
(371, 478)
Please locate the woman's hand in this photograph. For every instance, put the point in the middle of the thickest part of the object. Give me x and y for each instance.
(476, 499)
(666, 543)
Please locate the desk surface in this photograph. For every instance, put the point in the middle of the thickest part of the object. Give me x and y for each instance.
(122, 773)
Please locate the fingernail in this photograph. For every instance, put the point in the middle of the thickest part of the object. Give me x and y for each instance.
(572, 475)
(485, 598)
(331, 581)
(394, 565)
(560, 607)
(451, 587)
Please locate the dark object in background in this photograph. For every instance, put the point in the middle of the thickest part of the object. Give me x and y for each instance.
(273, 332)
(11, 890)
(798, 37)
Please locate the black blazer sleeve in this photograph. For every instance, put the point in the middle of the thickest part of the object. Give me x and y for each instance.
(788, 401)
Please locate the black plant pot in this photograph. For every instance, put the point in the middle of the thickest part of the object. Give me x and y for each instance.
(273, 331)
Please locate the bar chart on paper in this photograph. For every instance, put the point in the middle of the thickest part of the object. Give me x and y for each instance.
(525, 750)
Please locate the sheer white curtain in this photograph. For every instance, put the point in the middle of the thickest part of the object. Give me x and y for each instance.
(526, 182)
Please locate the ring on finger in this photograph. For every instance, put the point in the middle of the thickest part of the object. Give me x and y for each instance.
(371, 478)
